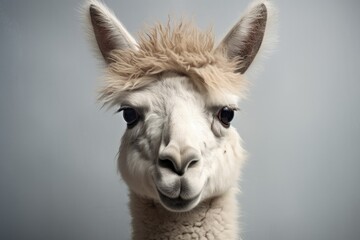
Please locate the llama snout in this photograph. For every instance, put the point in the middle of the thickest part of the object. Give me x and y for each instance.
(179, 177)
(178, 160)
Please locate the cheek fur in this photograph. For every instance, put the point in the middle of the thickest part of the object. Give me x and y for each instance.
(225, 161)
(137, 172)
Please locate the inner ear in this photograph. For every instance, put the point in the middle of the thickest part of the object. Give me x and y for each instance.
(108, 31)
(102, 33)
(252, 42)
(245, 38)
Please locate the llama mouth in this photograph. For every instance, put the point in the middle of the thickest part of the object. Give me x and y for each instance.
(179, 204)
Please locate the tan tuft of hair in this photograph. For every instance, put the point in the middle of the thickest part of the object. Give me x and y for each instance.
(176, 47)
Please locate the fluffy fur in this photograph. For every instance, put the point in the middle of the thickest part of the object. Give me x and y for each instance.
(180, 162)
(177, 47)
(213, 219)
(177, 118)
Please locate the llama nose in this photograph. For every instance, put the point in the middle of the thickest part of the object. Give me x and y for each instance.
(178, 161)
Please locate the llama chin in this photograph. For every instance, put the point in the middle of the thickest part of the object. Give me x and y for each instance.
(179, 204)
(178, 94)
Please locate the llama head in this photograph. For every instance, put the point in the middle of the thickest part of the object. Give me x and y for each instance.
(178, 94)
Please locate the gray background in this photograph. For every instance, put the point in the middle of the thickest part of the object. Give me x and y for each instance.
(301, 123)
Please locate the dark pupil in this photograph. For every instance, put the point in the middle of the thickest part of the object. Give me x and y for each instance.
(226, 115)
(130, 115)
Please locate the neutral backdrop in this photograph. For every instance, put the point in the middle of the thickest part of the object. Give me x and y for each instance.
(300, 124)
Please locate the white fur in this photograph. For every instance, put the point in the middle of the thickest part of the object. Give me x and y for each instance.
(178, 115)
(180, 122)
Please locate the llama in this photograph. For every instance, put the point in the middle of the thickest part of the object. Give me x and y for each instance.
(178, 93)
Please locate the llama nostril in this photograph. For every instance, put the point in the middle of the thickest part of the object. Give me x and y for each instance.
(168, 164)
(192, 163)
(178, 160)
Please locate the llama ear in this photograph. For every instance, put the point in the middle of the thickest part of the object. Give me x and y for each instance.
(245, 38)
(108, 32)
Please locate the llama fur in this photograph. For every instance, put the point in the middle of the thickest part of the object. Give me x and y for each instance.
(179, 159)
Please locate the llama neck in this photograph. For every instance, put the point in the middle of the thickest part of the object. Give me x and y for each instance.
(215, 218)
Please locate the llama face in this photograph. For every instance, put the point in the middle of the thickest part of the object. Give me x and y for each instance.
(178, 94)
(179, 147)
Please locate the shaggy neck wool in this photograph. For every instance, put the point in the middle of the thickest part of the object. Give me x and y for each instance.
(213, 219)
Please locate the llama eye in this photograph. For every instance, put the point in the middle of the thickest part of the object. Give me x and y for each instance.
(225, 115)
(130, 115)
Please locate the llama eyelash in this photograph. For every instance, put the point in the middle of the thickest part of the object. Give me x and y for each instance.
(122, 108)
(234, 108)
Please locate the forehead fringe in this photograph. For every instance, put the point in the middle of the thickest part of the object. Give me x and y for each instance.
(179, 47)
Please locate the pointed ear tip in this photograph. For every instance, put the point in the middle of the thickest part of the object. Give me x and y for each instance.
(97, 10)
(268, 8)
(93, 5)
(268, 5)
(89, 7)
(92, 9)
